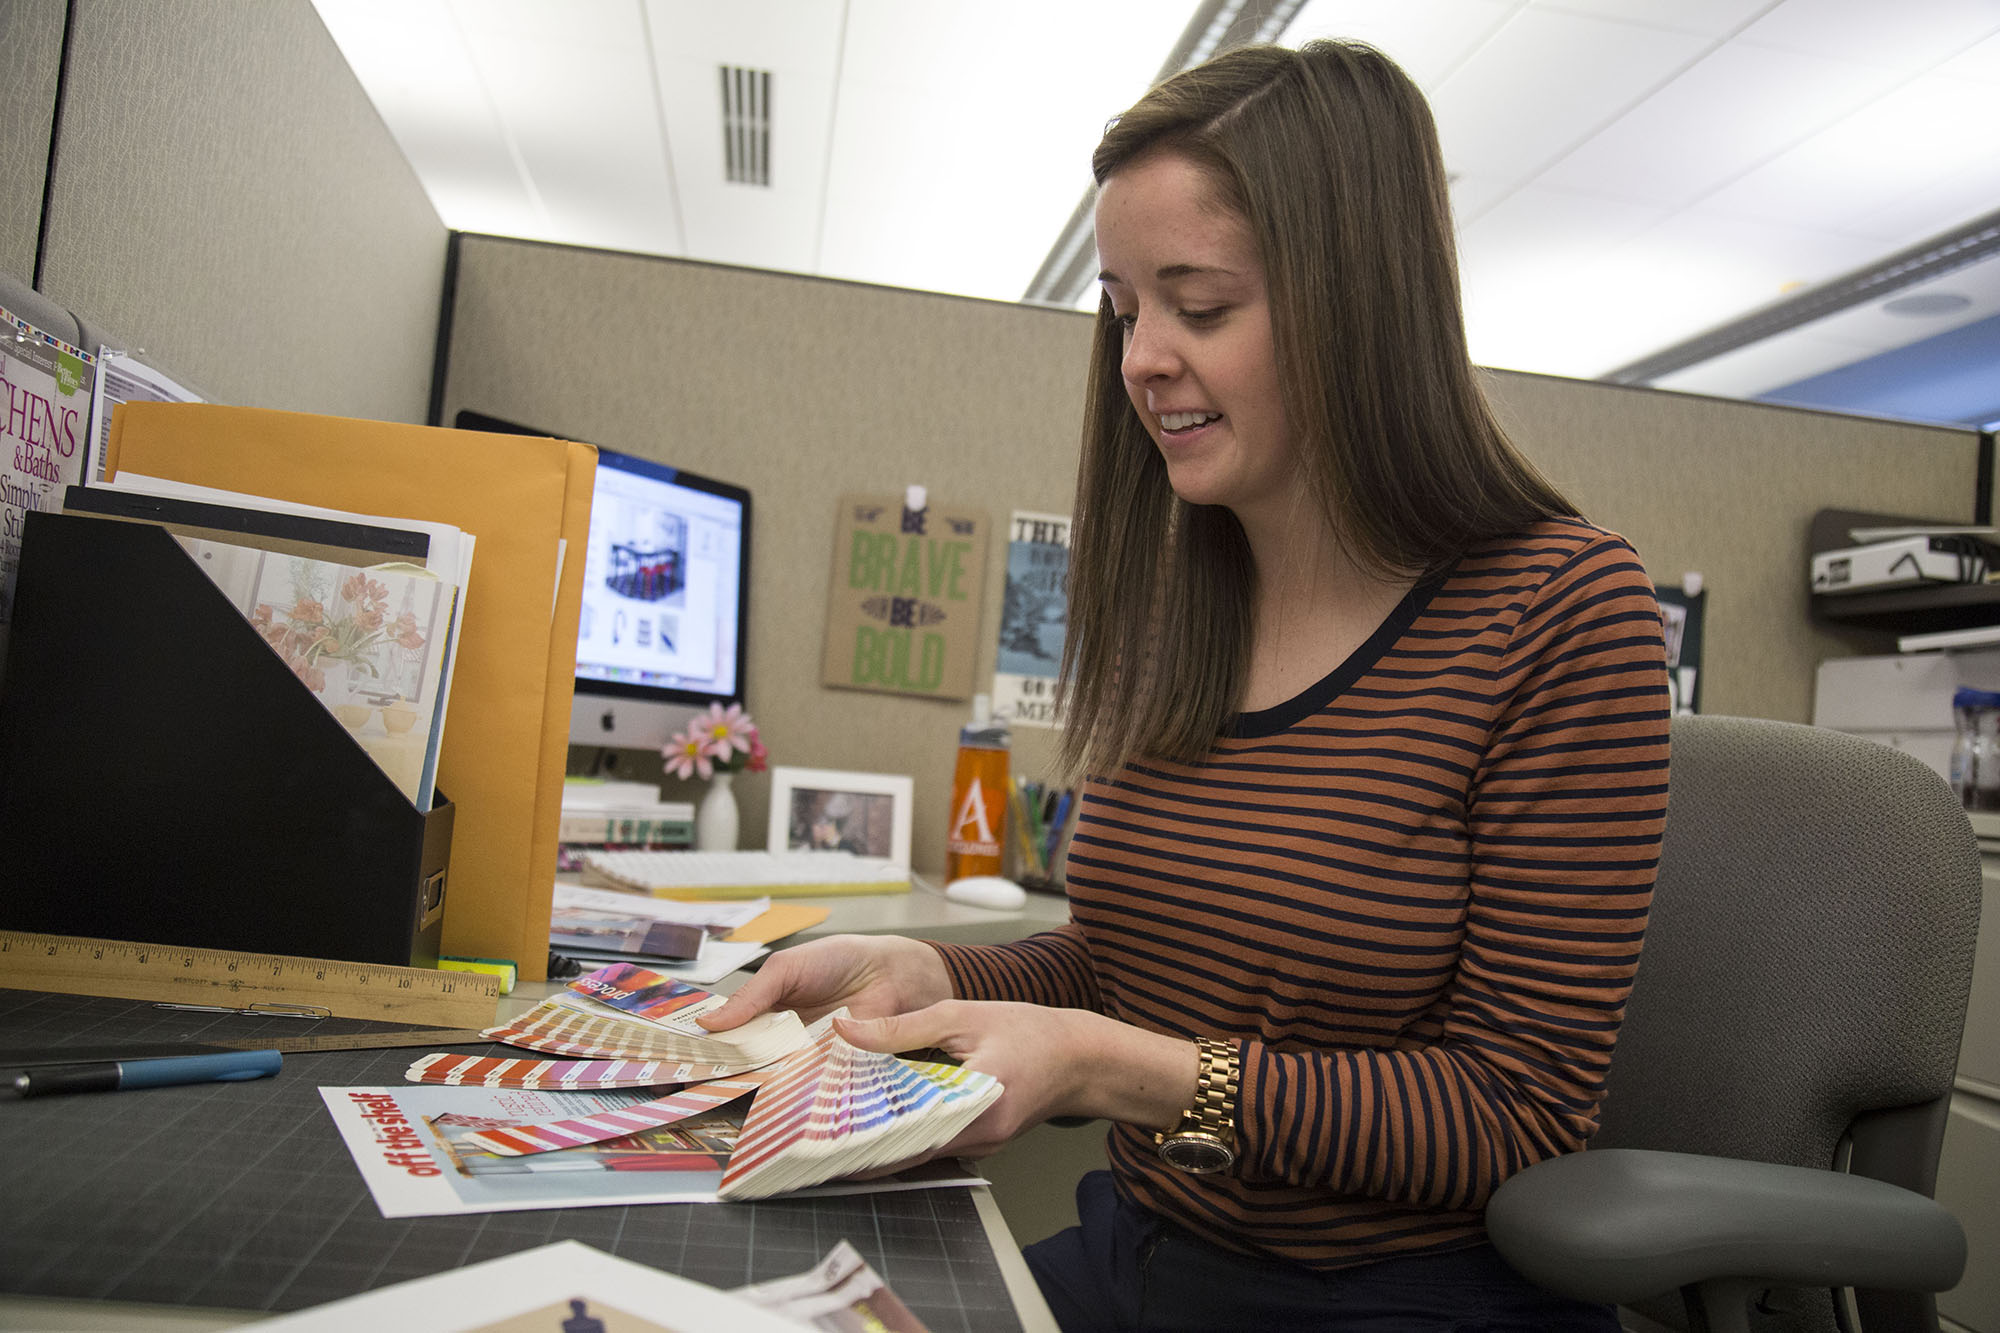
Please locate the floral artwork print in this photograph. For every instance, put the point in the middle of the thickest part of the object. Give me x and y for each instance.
(309, 636)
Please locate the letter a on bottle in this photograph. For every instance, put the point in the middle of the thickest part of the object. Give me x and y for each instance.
(973, 812)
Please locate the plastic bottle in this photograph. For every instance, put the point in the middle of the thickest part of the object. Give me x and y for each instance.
(1975, 756)
(978, 827)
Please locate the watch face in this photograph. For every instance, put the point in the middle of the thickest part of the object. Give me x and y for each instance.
(1197, 1154)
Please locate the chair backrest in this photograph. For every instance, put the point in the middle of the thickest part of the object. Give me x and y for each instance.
(1803, 985)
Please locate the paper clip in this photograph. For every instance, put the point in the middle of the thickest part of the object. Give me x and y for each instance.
(270, 1010)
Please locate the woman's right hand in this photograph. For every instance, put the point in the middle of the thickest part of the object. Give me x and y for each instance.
(874, 976)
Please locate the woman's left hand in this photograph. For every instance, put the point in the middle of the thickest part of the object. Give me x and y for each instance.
(1050, 1062)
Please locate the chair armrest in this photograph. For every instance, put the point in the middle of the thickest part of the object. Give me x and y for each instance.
(1622, 1224)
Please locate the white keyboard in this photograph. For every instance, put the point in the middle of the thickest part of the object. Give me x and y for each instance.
(744, 874)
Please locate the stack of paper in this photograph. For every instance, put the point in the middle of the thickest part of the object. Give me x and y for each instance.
(633, 1013)
(608, 926)
(835, 1110)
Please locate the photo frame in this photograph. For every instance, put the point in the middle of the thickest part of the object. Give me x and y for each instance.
(828, 810)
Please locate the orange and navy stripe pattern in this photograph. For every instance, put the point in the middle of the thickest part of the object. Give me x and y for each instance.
(1414, 895)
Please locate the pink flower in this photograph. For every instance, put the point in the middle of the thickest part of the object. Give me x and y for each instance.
(759, 756)
(725, 733)
(687, 753)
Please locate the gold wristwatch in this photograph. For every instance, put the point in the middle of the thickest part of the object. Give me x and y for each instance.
(1204, 1141)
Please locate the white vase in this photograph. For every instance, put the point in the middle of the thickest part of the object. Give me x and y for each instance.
(715, 821)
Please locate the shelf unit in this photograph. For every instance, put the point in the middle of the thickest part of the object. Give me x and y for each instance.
(1924, 610)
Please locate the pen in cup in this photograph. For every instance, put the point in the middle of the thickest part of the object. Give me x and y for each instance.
(165, 1071)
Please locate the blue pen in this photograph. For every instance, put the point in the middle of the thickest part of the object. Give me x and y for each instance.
(112, 1075)
(1056, 825)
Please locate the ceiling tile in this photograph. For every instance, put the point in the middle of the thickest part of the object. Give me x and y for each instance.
(1547, 82)
(1706, 18)
(1428, 38)
(955, 158)
(579, 108)
(1541, 225)
(1910, 36)
(1909, 217)
(1754, 262)
(1979, 61)
(1738, 107)
(1473, 193)
(411, 58)
(774, 226)
(1910, 140)
(1532, 270)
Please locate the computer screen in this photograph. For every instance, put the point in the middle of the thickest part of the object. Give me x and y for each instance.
(666, 577)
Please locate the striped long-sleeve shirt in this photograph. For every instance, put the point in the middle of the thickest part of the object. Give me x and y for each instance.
(1414, 897)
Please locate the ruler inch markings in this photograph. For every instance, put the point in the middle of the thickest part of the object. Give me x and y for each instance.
(183, 974)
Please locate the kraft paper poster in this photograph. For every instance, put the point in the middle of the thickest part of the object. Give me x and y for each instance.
(904, 598)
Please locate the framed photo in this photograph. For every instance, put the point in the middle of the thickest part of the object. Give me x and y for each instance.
(819, 809)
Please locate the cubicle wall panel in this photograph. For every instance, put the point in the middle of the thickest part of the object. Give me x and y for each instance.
(30, 54)
(227, 198)
(1728, 489)
(800, 389)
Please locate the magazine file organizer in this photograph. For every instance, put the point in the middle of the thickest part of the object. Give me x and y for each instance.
(164, 777)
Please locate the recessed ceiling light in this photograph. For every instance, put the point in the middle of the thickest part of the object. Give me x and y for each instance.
(1920, 304)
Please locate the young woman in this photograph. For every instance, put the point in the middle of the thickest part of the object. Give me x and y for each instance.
(1375, 731)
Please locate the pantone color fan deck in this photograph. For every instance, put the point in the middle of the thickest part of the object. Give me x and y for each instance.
(835, 1110)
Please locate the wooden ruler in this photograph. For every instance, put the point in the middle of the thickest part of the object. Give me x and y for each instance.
(32, 1057)
(72, 965)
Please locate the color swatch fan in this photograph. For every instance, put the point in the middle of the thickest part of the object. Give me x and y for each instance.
(623, 1012)
(835, 1110)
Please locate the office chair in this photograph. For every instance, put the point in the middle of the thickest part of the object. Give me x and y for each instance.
(1779, 1091)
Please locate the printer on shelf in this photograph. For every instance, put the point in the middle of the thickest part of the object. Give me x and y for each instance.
(1906, 559)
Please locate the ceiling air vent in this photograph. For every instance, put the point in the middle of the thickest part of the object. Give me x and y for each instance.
(746, 125)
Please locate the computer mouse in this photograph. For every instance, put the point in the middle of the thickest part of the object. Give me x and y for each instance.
(1002, 895)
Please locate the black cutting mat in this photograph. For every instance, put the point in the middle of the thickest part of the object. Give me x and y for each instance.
(242, 1195)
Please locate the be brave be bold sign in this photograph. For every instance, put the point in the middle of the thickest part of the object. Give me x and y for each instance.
(904, 597)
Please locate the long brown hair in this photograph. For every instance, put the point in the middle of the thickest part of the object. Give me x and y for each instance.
(1330, 154)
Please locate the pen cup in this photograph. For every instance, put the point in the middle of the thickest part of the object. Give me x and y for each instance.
(1040, 823)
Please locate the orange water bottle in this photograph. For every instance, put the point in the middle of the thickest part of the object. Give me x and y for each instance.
(978, 795)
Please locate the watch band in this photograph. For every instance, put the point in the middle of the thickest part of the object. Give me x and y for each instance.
(1205, 1139)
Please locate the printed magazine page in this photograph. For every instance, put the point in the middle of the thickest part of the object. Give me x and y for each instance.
(47, 384)
(541, 1291)
(1034, 617)
(370, 644)
(840, 1294)
(124, 378)
(410, 1145)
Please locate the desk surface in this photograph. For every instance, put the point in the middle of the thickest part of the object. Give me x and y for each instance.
(227, 1202)
(929, 915)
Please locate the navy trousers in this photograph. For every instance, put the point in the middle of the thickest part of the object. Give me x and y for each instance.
(1123, 1268)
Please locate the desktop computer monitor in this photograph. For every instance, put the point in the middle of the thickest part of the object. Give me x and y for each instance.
(666, 579)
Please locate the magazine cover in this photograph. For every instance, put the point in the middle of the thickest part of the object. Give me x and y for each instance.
(411, 1145)
(653, 996)
(1034, 615)
(42, 436)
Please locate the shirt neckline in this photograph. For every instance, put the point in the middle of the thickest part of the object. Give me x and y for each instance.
(1282, 717)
